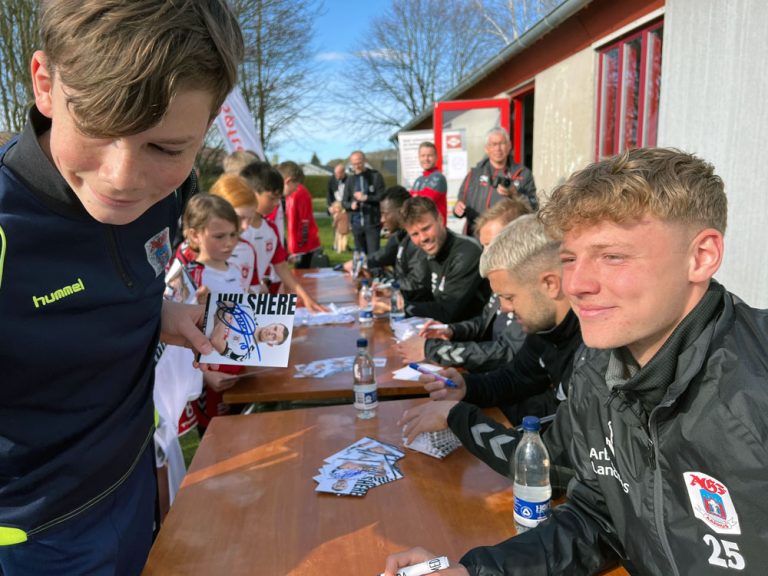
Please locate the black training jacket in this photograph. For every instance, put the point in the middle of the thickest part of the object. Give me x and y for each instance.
(679, 495)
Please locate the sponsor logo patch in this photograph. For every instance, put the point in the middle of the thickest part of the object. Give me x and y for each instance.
(711, 503)
(158, 250)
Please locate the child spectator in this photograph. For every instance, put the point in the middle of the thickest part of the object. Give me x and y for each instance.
(303, 237)
(340, 226)
(266, 185)
(124, 95)
(211, 231)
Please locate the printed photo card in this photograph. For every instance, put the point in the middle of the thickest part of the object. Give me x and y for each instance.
(249, 329)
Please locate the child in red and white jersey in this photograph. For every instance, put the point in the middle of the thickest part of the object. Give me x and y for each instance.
(266, 185)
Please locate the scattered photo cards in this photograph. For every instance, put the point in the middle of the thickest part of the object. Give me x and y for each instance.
(249, 329)
(359, 467)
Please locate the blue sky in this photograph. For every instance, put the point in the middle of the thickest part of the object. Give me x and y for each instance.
(337, 31)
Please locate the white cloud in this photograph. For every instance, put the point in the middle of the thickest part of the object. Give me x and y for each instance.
(331, 56)
(378, 54)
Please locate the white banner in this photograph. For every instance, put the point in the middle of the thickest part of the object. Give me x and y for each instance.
(236, 125)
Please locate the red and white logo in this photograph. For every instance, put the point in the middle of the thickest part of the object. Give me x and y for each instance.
(711, 503)
(453, 142)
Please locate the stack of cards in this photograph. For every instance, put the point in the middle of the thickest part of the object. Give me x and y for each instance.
(438, 444)
(363, 465)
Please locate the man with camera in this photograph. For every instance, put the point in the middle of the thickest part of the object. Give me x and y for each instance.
(495, 177)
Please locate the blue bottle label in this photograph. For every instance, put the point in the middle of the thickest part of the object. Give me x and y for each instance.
(531, 513)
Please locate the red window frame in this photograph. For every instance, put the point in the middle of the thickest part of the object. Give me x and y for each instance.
(518, 115)
(634, 125)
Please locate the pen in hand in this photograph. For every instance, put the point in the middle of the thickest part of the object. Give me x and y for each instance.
(423, 568)
(447, 381)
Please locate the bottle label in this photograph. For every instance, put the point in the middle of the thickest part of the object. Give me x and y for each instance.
(366, 396)
(366, 313)
(531, 513)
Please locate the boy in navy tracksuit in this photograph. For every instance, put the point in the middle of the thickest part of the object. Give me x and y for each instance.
(90, 196)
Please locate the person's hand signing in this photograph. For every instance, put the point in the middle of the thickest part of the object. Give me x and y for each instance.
(411, 349)
(435, 329)
(426, 417)
(414, 556)
(437, 388)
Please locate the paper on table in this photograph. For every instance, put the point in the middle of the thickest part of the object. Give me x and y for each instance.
(411, 375)
(325, 273)
(329, 366)
(336, 315)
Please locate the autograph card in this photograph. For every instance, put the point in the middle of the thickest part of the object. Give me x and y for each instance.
(363, 465)
(249, 329)
(367, 449)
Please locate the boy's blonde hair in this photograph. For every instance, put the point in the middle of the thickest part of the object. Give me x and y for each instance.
(234, 162)
(665, 183)
(122, 61)
(289, 169)
(523, 248)
(234, 190)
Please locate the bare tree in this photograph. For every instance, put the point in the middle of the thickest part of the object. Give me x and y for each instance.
(18, 40)
(410, 54)
(277, 76)
(508, 19)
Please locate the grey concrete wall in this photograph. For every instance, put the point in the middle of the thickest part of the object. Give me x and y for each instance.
(714, 102)
(564, 119)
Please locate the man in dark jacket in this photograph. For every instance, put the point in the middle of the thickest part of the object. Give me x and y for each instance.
(665, 420)
(524, 269)
(398, 258)
(486, 341)
(336, 183)
(362, 194)
(495, 177)
(458, 291)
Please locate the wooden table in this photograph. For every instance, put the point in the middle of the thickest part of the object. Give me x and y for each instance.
(326, 290)
(311, 343)
(248, 505)
(315, 343)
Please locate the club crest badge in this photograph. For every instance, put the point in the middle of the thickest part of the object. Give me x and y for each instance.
(711, 503)
(158, 250)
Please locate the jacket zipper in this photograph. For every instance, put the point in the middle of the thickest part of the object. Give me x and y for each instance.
(658, 499)
(113, 251)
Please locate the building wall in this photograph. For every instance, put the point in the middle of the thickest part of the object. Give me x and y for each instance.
(564, 119)
(713, 103)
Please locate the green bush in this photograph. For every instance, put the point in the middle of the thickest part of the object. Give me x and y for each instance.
(317, 185)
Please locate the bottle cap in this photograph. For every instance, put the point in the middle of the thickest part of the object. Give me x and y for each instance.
(396, 285)
(531, 424)
(363, 343)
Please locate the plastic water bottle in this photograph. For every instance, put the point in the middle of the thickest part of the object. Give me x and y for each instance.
(364, 387)
(358, 263)
(532, 489)
(365, 302)
(397, 310)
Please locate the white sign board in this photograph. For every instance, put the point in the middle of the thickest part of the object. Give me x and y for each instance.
(408, 155)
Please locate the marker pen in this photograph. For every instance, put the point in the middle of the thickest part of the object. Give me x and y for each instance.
(432, 326)
(423, 567)
(448, 382)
